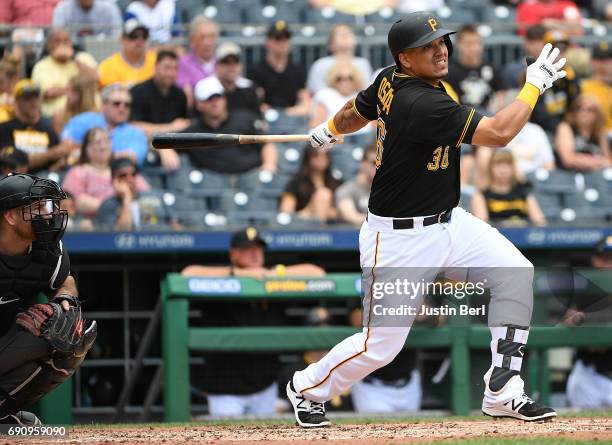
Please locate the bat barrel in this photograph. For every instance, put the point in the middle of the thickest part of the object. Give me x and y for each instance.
(192, 140)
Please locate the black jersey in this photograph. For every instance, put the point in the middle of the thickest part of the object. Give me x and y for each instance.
(419, 132)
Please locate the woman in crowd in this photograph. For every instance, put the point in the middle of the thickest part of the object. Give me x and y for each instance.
(89, 182)
(80, 97)
(506, 201)
(580, 139)
(344, 82)
(310, 193)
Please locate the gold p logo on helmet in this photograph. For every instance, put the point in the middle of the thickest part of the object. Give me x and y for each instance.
(433, 23)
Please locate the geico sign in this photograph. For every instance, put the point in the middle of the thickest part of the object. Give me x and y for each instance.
(214, 286)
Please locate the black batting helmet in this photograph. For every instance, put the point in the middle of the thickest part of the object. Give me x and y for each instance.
(417, 29)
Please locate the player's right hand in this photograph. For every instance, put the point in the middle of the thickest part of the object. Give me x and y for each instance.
(322, 138)
(544, 71)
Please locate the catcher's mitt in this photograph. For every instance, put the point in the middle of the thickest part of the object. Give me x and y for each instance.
(63, 329)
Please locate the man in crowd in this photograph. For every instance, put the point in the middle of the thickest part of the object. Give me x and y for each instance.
(159, 106)
(130, 209)
(160, 16)
(533, 42)
(199, 62)
(352, 196)
(33, 133)
(474, 81)
(54, 71)
(282, 81)
(88, 17)
(239, 91)
(134, 62)
(341, 44)
(239, 384)
(214, 117)
(599, 85)
(126, 140)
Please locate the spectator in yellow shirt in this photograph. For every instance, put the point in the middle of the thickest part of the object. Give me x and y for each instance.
(599, 85)
(54, 71)
(9, 75)
(135, 63)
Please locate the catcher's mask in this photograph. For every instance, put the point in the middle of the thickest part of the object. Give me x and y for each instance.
(39, 200)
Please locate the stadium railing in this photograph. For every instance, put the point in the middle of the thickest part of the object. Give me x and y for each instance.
(178, 338)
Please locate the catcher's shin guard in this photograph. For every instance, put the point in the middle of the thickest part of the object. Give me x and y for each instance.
(46, 374)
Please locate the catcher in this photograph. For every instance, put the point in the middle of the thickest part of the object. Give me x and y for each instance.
(41, 345)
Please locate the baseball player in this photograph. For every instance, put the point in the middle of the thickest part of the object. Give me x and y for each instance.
(41, 345)
(413, 220)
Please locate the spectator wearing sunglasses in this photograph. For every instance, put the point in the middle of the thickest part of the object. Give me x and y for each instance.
(126, 140)
(580, 140)
(344, 81)
(134, 63)
(129, 208)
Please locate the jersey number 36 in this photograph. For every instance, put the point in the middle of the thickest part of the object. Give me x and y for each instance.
(440, 159)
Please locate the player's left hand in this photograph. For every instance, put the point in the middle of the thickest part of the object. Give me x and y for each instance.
(545, 71)
(322, 138)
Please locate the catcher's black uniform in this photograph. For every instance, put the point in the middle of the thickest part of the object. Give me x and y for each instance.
(40, 344)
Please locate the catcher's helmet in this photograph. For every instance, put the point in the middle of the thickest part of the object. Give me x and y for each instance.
(25, 191)
(417, 29)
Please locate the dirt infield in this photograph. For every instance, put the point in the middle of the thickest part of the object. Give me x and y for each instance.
(596, 428)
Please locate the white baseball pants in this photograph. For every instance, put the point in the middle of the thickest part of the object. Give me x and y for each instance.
(465, 241)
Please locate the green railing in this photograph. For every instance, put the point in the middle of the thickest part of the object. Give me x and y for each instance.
(178, 338)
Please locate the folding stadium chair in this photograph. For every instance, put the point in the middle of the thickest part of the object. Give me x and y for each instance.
(327, 14)
(553, 181)
(289, 157)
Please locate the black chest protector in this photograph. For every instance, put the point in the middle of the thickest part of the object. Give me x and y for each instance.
(23, 277)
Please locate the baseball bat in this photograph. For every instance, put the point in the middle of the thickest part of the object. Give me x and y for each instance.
(205, 140)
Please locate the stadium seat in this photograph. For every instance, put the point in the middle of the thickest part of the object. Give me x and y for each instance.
(291, 11)
(550, 203)
(384, 15)
(553, 181)
(289, 156)
(189, 211)
(328, 14)
(223, 12)
(187, 9)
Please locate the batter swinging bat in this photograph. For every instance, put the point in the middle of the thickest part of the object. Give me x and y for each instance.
(205, 140)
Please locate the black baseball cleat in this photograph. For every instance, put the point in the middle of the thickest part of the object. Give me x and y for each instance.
(21, 418)
(521, 407)
(308, 414)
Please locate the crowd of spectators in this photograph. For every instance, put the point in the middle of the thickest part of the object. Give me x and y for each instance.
(66, 112)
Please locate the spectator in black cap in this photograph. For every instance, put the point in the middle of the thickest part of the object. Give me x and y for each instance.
(13, 160)
(283, 81)
(32, 132)
(134, 63)
(599, 85)
(247, 258)
(237, 384)
(129, 208)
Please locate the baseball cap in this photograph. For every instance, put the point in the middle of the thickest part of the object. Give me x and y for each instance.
(119, 163)
(245, 238)
(208, 87)
(555, 37)
(12, 157)
(132, 25)
(602, 51)
(26, 88)
(278, 30)
(228, 49)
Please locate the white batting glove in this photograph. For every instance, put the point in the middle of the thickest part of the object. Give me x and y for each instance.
(544, 71)
(322, 138)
